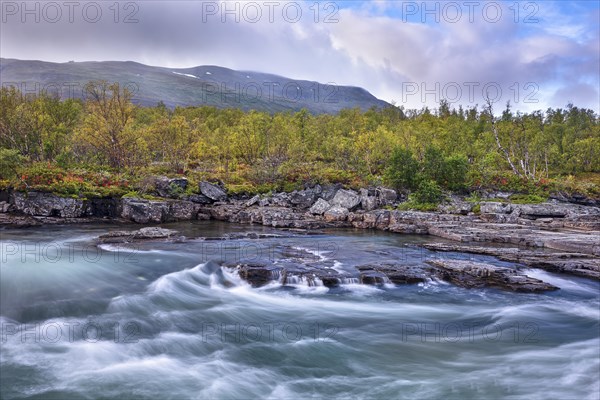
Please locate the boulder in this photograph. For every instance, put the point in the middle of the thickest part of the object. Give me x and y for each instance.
(320, 207)
(336, 213)
(385, 196)
(213, 192)
(252, 201)
(490, 207)
(172, 188)
(303, 198)
(329, 191)
(143, 211)
(346, 199)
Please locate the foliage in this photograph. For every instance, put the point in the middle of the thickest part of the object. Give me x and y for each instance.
(10, 162)
(114, 146)
(402, 169)
(428, 192)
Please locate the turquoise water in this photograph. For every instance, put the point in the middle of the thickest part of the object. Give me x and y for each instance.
(152, 322)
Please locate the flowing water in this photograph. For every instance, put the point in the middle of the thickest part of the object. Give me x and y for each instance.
(159, 321)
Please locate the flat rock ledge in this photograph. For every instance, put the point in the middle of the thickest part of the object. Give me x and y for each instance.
(471, 274)
(579, 264)
(143, 234)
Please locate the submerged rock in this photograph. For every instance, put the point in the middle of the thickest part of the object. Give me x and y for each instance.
(149, 233)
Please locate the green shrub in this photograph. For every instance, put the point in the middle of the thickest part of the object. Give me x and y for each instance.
(402, 170)
(455, 172)
(10, 162)
(428, 191)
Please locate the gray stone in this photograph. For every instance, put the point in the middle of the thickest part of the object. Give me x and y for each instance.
(329, 191)
(471, 274)
(320, 207)
(336, 213)
(489, 207)
(346, 199)
(143, 211)
(386, 197)
(4, 207)
(252, 201)
(213, 192)
(546, 210)
(303, 198)
(198, 199)
(48, 205)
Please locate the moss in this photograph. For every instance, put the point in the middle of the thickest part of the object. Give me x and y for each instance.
(527, 199)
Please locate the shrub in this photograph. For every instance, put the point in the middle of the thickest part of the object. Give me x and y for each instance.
(10, 162)
(428, 192)
(402, 170)
(455, 172)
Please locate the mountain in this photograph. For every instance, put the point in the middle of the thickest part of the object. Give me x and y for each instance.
(203, 85)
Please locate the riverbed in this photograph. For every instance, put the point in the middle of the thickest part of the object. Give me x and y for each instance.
(152, 321)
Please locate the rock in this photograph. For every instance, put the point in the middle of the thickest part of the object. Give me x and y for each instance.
(369, 203)
(149, 233)
(161, 184)
(170, 188)
(320, 207)
(181, 183)
(546, 210)
(280, 200)
(198, 199)
(471, 274)
(488, 207)
(252, 201)
(346, 199)
(48, 205)
(257, 274)
(4, 207)
(336, 213)
(143, 211)
(397, 273)
(329, 191)
(213, 192)
(385, 196)
(303, 198)
(181, 211)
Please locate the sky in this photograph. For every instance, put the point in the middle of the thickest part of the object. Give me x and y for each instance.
(535, 54)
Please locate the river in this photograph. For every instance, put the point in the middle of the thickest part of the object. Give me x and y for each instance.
(153, 321)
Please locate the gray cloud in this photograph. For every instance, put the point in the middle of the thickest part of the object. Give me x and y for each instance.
(366, 47)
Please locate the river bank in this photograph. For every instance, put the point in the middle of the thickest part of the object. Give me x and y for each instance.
(554, 236)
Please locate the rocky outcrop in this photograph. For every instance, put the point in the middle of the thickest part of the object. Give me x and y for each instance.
(580, 264)
(471, 274)
(48, 205)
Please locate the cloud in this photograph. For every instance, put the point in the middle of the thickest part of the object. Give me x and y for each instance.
(375, 45)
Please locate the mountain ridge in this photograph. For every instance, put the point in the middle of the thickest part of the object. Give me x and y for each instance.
(210, 85)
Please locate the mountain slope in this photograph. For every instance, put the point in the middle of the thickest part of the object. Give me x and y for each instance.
(203, 85)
